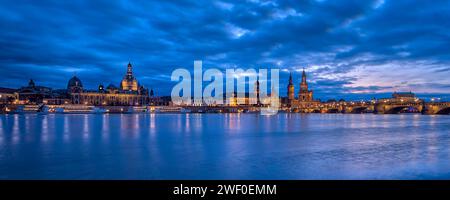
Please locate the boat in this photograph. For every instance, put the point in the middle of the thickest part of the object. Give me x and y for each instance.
(139, 109)
(59, 110)
(78, 109)
(167, 109)
(185, 110)
(98, 110)
(43, 109)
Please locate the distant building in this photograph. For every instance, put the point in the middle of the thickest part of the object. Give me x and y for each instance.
(130, 92)
(290, 89)
(403, 97)
(129, 83)
(33, 94)
(74, 85)
(304, 94)
(305, 101)
(8, 95)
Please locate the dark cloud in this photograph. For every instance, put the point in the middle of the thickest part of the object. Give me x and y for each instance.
(51, 40)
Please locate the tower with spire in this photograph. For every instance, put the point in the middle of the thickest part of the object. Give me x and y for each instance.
(290, 88)
(258, 102)
(304, 94)
(129, 83)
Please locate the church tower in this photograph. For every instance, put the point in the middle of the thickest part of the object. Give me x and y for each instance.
(129, 83)
(290, 88)
(304, 94)
(258, 102)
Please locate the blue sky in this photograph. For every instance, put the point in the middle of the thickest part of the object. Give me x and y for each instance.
(356, 49)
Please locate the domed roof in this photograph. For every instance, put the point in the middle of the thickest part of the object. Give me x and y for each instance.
(31, 83)
(111, 86)
(74, 82)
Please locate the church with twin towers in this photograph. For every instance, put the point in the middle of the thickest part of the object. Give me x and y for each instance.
(304, 98)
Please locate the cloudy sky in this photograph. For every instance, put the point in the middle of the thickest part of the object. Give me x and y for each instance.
(356, 49)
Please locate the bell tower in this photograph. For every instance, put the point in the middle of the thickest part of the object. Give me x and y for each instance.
(129, 83)
(304, 94)
(290, 88)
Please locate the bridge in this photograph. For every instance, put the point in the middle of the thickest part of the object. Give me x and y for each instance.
(437, 108)
(430, 108)
(345, 107)
(397, 107)
(380, 107)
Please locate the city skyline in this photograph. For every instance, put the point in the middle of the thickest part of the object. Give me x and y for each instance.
(349, 49)
(224, 98)
(282, 88)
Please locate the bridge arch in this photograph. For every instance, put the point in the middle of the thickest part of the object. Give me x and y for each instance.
(444, 111)
(333, 110)
(358, 109)
(396, 109)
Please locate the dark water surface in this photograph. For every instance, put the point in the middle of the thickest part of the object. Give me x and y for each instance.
(224, 146)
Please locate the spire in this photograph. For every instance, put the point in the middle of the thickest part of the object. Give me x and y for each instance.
(31, 83)
(257, 86)
(129, 69)
(303, 84)
(129, 75)
(290, 78)
(303, 76)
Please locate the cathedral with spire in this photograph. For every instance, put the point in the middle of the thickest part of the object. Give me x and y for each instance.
(305, 96)
(129, 83)
(130, 93)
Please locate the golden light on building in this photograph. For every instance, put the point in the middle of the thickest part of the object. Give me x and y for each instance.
(129, 83)
(129, 93)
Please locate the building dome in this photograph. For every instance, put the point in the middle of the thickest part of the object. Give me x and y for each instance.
(74, 85)
(129, 83)
(111, 87)
(74, 81)
(31, 83)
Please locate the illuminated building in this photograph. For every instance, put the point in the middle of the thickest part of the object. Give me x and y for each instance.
(129, 83)
(305, 101)
(33, 94)
(129, 93)
(404, 96)
(8, 95)
(304, 94)
(291, 90)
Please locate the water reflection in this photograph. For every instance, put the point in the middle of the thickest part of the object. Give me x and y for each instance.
(86, 127)
(224, 146)
(16, 131)
(152, 124)
(44, 128)
(66, 128)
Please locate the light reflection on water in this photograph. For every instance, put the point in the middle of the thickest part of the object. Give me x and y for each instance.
(224, 146)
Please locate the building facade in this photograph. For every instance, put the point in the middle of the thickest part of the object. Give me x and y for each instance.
(8, 95)
(130, 92)
(33, 94)
(129, 83)
(290, 89)
(304, 93)
(305, 101)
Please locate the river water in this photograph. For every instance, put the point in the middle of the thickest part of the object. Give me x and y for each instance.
(224, 146)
